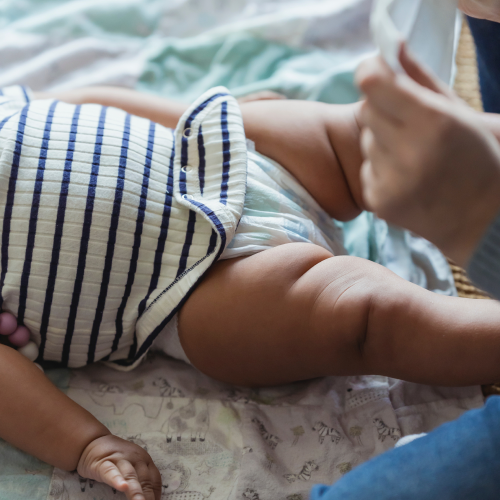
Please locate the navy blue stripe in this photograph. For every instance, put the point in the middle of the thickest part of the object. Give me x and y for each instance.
(133, 349)
(33, 221)
(187, 243)
(201, 156)
(212, 243)
(25, 94)
(56, 245)
(226, 154)
(184, 148)
(5, 120)
(84, 241)
(160, 247)
(7, 216)
(217, 223)
(213, 240)
(141, 213)
(110, 248)
(200, 108)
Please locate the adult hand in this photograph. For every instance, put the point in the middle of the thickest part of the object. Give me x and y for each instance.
(431, 166)
(482, 9)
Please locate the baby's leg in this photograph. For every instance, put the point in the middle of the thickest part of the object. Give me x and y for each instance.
(295, 312)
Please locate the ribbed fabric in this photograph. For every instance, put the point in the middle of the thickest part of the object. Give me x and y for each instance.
(484, 266)
(109, 220)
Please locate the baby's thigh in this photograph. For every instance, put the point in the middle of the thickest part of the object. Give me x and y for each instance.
(272, 318)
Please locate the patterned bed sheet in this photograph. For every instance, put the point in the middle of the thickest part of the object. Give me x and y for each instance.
(211, 440)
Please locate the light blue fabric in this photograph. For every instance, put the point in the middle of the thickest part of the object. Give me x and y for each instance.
(185, 68)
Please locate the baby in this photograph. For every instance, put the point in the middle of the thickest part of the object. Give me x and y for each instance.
(120, 234)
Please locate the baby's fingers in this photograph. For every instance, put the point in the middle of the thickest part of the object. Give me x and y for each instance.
(110, 474)
(141, 482)
(122, 477)
(132, 488)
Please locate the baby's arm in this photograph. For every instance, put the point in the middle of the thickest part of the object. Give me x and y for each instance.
(317, 142)
(39, 419)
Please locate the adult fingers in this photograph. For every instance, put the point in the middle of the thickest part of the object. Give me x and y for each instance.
(377, 195)
(369, 184)
(385, 131)
(376, 174)
(370, 148)
(396, 95)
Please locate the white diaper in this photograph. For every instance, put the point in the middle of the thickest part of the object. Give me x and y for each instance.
(169, 343)
(278, 210)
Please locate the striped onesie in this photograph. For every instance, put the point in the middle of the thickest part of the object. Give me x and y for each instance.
(109, 220)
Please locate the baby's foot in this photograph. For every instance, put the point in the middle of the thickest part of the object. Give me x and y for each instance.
(18, 335)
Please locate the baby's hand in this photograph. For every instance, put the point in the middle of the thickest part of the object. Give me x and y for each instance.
(123, 466)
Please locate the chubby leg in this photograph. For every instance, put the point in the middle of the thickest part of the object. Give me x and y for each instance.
(296, 312)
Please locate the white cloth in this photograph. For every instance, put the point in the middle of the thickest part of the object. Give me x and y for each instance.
(429, 28)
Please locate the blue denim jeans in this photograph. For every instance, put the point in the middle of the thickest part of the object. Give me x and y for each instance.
(457, 461)
(487, 37)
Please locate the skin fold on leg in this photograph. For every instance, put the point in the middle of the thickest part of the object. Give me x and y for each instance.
(295, 312)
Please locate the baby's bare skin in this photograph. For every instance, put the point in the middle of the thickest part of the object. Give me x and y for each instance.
(291, 313)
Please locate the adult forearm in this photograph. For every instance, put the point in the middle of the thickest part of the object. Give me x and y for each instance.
(38, 418)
